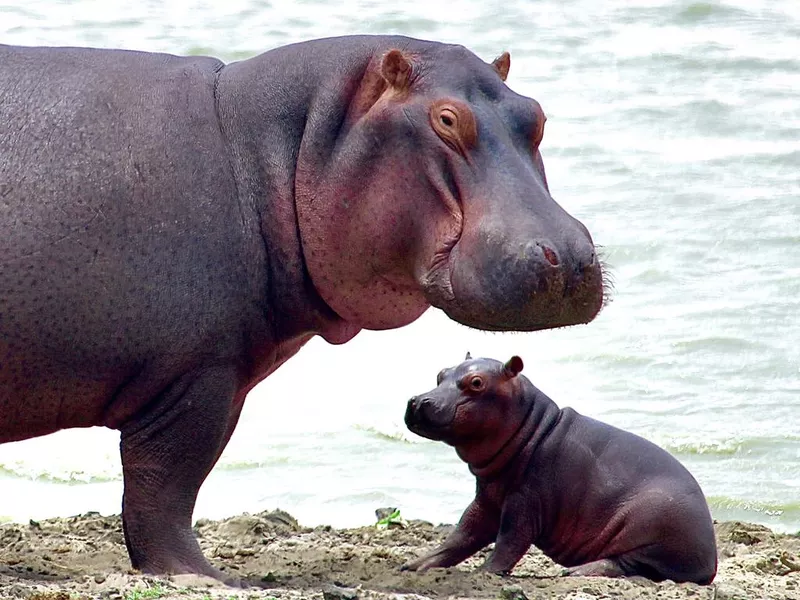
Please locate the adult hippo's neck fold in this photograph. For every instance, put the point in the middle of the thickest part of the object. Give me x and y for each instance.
(266, 106)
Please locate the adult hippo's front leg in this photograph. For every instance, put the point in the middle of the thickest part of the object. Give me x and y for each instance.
(166, 455)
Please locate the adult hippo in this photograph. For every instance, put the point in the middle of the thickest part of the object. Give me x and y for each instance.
(173, 229)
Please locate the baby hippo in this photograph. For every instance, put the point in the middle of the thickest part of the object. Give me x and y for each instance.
(592, 497)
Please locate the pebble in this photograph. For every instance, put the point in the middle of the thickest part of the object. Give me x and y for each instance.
(512, 592)
(726, 591)
(334, 592)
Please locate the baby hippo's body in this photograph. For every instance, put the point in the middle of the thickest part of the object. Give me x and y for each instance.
(592, 497)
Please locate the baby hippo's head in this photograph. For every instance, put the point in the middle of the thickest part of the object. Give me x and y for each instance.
(476, 406)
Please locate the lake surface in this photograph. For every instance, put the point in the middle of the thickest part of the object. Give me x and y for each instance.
(673, 133)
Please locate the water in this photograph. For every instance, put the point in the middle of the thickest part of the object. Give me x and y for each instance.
(673, 134)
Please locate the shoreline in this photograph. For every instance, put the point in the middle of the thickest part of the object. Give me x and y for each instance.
(82, 557)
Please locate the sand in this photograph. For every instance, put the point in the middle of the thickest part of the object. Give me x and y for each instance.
(84, 557)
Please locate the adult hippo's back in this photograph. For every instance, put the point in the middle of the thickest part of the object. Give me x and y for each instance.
(172, 229)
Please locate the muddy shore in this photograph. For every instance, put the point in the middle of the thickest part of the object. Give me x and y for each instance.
(84, 557)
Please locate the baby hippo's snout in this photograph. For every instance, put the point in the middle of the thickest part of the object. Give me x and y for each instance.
(426, 415)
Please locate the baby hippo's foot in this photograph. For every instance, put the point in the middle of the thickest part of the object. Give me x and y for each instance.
(422, 563)
(607, 567)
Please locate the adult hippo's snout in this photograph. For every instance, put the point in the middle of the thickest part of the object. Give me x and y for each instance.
(518, 280)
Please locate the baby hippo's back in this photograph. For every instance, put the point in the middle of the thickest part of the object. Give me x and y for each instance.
(605, 492)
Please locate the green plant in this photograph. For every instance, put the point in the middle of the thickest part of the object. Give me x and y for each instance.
(392, 519)
(156, 591)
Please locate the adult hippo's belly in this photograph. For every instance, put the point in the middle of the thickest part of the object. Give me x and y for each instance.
(172, 229)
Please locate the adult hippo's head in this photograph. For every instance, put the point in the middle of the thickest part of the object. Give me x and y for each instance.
(430, 190)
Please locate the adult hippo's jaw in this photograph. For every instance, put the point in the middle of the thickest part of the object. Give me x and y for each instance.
(430, 190)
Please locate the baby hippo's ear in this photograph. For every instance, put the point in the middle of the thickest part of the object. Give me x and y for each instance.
(468, 357)
(513, 366)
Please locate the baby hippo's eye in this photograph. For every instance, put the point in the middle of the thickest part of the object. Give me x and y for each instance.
(439, 377)
(476, 383)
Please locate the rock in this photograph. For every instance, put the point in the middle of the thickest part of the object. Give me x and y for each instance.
(225, 552)
(99, 578)
(790, 562)
(512, 592)
(191, 580)
(384, 513)
(334, 592)
(743, 533)
(726, 591)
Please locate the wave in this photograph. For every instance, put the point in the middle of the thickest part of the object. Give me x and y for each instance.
(69, 476)
(779, 517)
(391, 433)
(245, 464)
(765, 507)
(730, 446)
(699, 12)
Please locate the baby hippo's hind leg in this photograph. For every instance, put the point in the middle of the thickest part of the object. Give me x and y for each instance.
(623, 566)
(672, 537)
(676, 535)
(606, 567)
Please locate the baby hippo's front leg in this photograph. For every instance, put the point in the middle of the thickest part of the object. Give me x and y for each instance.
(515, 536)
(476, 529)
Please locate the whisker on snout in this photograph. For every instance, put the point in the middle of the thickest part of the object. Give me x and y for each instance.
(608, 277)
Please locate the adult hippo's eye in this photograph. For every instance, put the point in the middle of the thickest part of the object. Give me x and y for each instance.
(454, 123)
(440, 377)
(448, 117)
(476, 383)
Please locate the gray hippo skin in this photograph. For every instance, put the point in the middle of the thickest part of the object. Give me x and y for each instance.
(173, 229)
(592, 497)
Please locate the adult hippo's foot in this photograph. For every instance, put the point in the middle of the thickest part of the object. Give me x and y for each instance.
(166, 455)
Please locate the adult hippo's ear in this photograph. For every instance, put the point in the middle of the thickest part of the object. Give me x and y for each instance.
(502, 64)
(468, 356)
(397, 69)
(513, 366)
(393, 71)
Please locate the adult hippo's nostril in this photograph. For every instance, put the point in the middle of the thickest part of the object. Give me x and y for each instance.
(549, 254)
